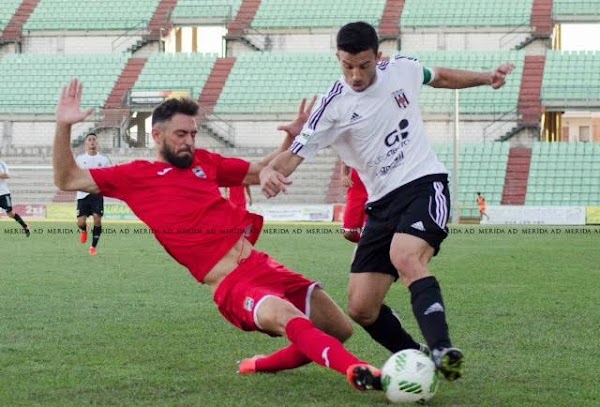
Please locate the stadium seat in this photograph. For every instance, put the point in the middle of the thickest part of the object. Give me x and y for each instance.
(184, 72)
(482, 168)
(480, 100)
(561, 175)
(466, 13)
(7, 10)
(275, 82)
(34, 81)
(274, 14)
(52, 15)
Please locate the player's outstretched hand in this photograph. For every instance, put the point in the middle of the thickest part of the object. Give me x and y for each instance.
(68, 110)
(294, 128)
(347, 181)
(499, 75)
(272, 182)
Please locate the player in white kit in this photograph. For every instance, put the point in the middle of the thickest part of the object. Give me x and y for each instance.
(90, 204)
(371, 118)
(6, 200)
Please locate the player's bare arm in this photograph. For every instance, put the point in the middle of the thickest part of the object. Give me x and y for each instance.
(67, 175)
(291, 130)
(274, 177)
(345, 175)
(4, 176)
(460, 79)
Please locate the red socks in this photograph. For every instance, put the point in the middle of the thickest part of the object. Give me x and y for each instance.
(289, 357)
(318, 346)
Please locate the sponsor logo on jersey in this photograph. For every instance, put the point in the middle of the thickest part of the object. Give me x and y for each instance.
(199, 172)
(249, 304)
(305, 135)
(164, 171)
(401, 99)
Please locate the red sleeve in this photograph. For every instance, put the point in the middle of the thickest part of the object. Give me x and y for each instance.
(113, 181)
(230, 171)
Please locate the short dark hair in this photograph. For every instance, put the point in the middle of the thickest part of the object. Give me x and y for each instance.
(90, 134)
(170, 107)
(357, 37)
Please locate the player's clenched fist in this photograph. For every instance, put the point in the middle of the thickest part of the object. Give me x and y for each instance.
(272, 182)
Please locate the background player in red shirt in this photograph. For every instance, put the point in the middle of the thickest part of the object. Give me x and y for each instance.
(356, 198)
(178, 198)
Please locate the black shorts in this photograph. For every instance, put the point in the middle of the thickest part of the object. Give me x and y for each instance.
(419, 208)
(90, 205)
(6, 203)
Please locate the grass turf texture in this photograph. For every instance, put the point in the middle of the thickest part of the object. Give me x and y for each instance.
(130, 327)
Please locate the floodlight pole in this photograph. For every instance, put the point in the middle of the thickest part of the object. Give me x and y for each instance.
(455, 189)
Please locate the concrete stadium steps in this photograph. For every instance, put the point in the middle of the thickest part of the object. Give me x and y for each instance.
(541, 17)
(14, 28)
(389, 26)
(159, 23)
(530, 105)
(244, 17)
(31, 184)
(517, 173)
(213, 87)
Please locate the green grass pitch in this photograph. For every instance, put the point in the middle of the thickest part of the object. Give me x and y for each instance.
(130, 327)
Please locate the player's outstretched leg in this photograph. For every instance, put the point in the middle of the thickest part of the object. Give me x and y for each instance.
(449, 361)
(287, 358)
(330, 352)
(363, 376)
(21, 222)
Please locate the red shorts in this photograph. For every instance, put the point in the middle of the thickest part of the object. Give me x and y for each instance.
(354, 214)
(240, 294)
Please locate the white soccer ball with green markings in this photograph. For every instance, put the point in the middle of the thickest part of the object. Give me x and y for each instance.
(409, 376)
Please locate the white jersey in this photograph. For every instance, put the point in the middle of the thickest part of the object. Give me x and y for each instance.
(91, 161)
(3, 182)
(379, 131)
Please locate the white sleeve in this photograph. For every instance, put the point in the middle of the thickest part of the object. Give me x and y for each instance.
(4, 168)
(319, 131)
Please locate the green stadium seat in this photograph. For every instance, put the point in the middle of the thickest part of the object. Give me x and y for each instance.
(277, 14)
(50, 15)
(466, 13)
(34, 81)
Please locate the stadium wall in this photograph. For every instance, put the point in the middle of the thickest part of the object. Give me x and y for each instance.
(63, 44)
(16, 134)
(461, 41)
(259, 133)
(301, 42)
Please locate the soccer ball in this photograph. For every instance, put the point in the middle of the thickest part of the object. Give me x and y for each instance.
(409, 376)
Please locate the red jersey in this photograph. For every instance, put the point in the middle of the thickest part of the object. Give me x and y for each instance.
(237, 195)
(183, 207)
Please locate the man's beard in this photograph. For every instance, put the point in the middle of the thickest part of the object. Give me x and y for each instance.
(182, 162)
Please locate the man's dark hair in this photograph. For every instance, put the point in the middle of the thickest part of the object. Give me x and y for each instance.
(357, 37)
(90, 134)
(170, 107)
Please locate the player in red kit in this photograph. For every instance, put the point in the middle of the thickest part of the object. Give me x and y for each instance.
(356, 199)
(240, 196)
(178, 198)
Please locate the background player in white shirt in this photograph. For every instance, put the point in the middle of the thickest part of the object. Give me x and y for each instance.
(90, 204)
(5, 199)
(371, 118)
